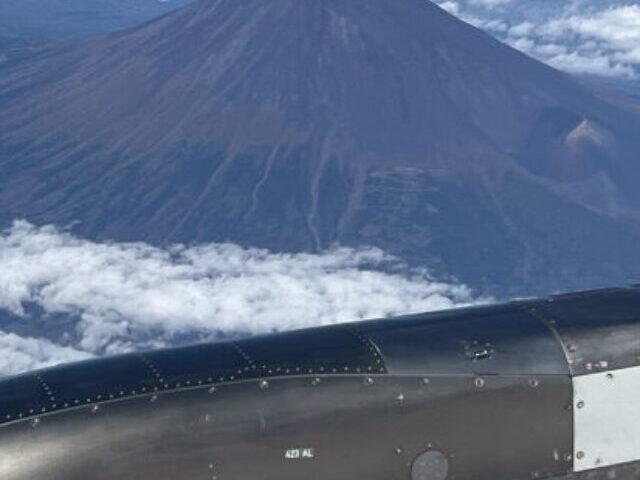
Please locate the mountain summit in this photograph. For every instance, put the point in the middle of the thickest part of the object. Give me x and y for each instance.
(297, 124)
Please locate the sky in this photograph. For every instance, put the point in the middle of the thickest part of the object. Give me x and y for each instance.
(592, 37)
(63, 298)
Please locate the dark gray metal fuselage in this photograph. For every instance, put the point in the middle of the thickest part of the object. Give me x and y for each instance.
(481, 393)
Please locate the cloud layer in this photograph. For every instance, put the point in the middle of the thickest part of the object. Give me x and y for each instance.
(81, 298)
(594, 37)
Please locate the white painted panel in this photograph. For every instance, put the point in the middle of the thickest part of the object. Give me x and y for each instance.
(606, 418)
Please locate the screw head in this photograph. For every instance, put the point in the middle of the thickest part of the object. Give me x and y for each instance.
(263, 384)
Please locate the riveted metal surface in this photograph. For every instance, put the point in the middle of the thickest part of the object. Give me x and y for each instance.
(194, 365)
(328, 350)
(335, 349)
(599, 330)
(98, 380)
(491, 340)
(339, 428)
(22, 396)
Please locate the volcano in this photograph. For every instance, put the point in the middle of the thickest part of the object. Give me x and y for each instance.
(299, 124)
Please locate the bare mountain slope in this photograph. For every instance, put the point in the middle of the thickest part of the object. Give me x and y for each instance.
(294, 124)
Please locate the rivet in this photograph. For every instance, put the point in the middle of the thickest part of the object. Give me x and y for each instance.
(568, 457)
(263, 384)
(400, 397)
(95, 408)
(580, 455)
(479, 382)
(425, 381)
(153, 398)
(212, 390)
(580, 404)
(610, 376)
(35, 422)
(398, 451)
(315, 381)
(368, 381)
(533, 383)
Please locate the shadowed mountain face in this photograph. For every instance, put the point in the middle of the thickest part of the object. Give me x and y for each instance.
(295, 124)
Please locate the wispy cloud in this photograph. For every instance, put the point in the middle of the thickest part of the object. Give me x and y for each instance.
(19, 354)
(127, 296)
(596, 37)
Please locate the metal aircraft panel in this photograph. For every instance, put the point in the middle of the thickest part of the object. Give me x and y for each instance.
(599, 330)
(198, 364)
(23, 396)
(333, 349)
(485, 341)
(329, 427)
(607, 418)
(96, 380)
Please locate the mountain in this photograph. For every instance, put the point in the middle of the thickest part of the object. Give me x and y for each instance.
(297, 124)
(64, 19)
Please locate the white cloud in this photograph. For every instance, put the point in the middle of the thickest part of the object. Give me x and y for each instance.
(489, 3)
(579, 36)
(19, 354)
(450, 6)
(127, 296)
